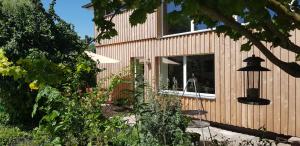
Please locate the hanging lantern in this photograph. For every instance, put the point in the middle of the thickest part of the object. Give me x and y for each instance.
(252, 76)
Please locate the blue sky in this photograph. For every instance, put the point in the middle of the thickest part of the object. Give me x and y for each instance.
(71, 12)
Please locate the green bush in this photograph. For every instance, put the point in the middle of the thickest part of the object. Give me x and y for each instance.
(161, 119)
(38, 49)
(70, 119)
(4, 118)
(13, 136)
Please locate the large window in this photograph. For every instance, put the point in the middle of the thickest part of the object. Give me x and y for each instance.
(175, 22)
(176, 71)
(179, 25)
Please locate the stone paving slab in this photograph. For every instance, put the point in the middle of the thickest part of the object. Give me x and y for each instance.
(232, 138)
(227, 137)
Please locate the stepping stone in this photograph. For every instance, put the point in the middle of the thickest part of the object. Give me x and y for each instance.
(198, 124)
(194, 112)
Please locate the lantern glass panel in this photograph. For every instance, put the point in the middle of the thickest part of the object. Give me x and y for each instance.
(253, 84)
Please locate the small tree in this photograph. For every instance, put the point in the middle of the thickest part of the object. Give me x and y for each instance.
(37, 49)
(268, 21)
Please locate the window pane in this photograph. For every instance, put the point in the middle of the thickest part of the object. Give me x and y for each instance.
(202, 68)
(200, 26)
(171, 7)
(171, 73)
(240, 19)
(174, 21)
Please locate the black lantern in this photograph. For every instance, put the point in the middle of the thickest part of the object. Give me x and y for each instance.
(252, 84)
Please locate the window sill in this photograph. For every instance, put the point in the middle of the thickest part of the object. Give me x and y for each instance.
(189, 94)
(186, 33)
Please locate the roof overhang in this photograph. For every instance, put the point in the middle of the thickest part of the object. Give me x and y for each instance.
(88, 6)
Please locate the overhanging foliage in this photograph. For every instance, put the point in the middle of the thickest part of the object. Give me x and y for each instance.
(268, 21)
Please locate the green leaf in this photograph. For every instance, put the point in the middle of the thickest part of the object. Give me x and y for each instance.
(8, 69)
(138, 16)
(246, 47)
(58, 128)
(298, 57)
(89, 144)
(35, 106)
(56, 141)
(51, 116)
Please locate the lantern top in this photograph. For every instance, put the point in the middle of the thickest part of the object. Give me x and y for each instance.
(253, 58)
(254, 64)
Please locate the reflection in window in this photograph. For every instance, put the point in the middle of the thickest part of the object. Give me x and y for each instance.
(239, 19)
(200, 26)
(202, 68)
(172, 73)
(174, 20)
(199, 66)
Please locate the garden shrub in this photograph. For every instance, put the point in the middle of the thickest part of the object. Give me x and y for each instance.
(74, 118)
(13, 135)
(4, 117)
(43, 77)
(158, 124)
(38, 49)
(159, 120)
(162, 120)
(121, 86)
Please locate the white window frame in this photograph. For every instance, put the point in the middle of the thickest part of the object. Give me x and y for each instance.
(186, 93)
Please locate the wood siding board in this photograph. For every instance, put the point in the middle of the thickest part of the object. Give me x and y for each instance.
(297, 106)
(206, 43)
(277, 94)
(177, 49)
(297, 36)
(202, 43)
(232, 83)
(213, 102)
(244, 107)
(186, 47)
(292, 94)
(189, 45)
(238, 82)
(222, 78)
(194, 44)
(250, 118)
(291, 100)
(227, 67)
(263, 109)
(270, 94)
(284, 96)
(173, 45)
(206, 102)
(256, 109)
(217, 80)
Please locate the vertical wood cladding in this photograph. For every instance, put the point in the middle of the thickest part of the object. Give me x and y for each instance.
(281, 116)
(128, 33)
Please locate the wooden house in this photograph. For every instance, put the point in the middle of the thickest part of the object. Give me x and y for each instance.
(173, 52)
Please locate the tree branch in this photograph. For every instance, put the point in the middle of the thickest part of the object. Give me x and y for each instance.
(282, 9)
(285, 42)
(290, 68)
